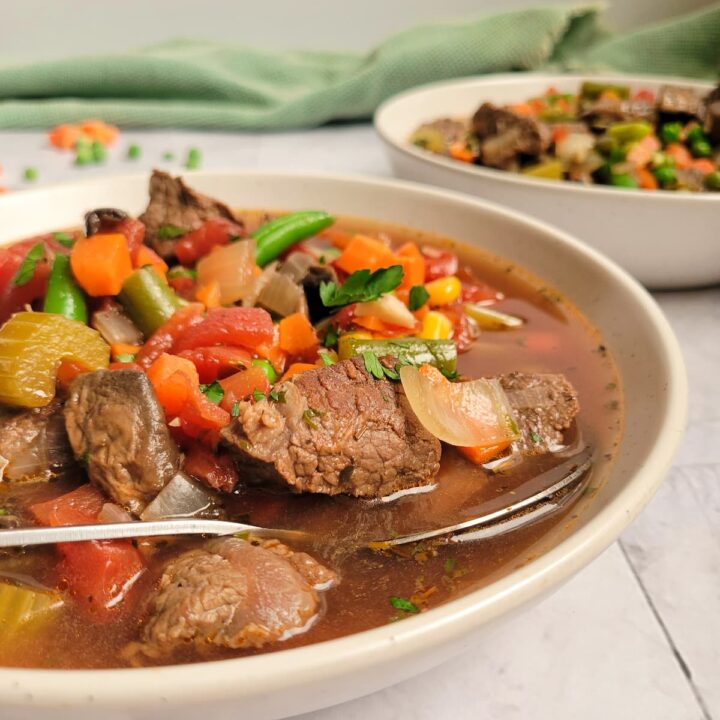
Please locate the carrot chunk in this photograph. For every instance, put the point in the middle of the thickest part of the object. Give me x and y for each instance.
(297, 335)
(101, 263)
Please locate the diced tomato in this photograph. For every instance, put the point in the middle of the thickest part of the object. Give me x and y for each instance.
(233, 326)
(345, 318)
(216, 470)
(185, 287)
(163, 339)
(438, 263)
(198, 243)
(645, 96)
(241, 385)
(68, 370)
(474, 290)
(99, 574)
(464, 333)
(202, 419)
(217, 362)
(125, 366)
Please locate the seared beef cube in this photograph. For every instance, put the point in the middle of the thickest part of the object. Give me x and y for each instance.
(174, 203)
(677, 100)
(232, 593)
(335, 430)
(506, 138)
(34, 443)
(117, 428)
(602, 113)
(544, 407)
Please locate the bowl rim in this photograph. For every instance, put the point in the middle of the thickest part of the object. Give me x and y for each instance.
(291, 669)
(516, 179)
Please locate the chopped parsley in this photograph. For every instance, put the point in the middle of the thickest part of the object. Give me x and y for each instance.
(403, 604)
(166, 232)
(377, 369)
(133, 152)
(449, 374)
(331, 336)
(213, 391)
(418, 297)
(27, 269)
(535, 437)
(277, 396)
(64, 239)
(258, 395)
(449, 566)
(327, 359)
(125, 358)
(178, 271)
(361, 286)
(235, 410)
(84, 459)
(308, 416)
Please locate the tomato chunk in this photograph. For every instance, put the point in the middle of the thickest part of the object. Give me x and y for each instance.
(216, 470)
(99, 574)
(233, 326)
(213, 363)
(197, 243)
(163, 339)
(439, 263)
(241, 386)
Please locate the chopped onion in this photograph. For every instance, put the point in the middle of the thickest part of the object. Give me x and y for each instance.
(112, 513)
(296, 266)
(232, 267)
(116, 327)
(181, 497)
(280, 295)
(575, 148)
(489, 319)
(4, 462)
(261, 281)
(467, 414)
(389, 309)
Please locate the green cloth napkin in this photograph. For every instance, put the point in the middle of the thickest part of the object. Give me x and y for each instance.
(188, 83)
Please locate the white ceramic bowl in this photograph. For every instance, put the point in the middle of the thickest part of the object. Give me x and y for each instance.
(665, 239)
(298, 680)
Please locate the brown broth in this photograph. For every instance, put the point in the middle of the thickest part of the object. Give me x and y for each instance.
(556, 338)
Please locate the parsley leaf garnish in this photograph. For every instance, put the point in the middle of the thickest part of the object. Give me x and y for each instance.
(361, 286)
(403, 604)
(308, 416)
(213, 392)
(235, 409)
(327, 359)
(27, 268)
(372, 365)
(258, 395)
(166, 232)
(418, 297)
(331, 336)
(535, 437)
(277, 396)
(449, 374)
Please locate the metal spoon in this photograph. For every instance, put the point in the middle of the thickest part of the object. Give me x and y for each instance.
(543, 502)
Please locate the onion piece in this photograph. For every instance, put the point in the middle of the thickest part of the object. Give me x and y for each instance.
(112, 513)
(297, 266)
(232, 267)
(116, 327)
(468, 414)
(261, 281)
(389, 309)
(489, 319)
(181, 497)
(280, 295)
(575, 147)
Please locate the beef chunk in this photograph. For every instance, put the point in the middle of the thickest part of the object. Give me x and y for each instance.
(117, 428)
(34, 443)
(677, 100)
(545, 406)
(339, 430)
(232, 593)
(712, 115)
(174, 203)
(506, 138)
(603, 112)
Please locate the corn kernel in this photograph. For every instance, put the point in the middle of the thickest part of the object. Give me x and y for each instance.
(358, 335)
(435, 326)
(443, 291)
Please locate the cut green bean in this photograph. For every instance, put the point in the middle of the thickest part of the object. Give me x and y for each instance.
(442, 354)
(148, 300)
(64, 296)
(274, 238)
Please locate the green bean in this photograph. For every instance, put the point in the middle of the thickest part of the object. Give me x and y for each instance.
(148, 300)
(267, 368)
(278, 235)
(64, 296)
(593, 90)
(440, 353)
(624, 180)
(629, 131)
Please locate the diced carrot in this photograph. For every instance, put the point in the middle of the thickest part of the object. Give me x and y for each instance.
(680, 154)
(275, 354)
(413, 265)
(100, 131)
(296, 334)
(147, 256)
(209, 294)
(703, 165)
(524, 109)
(68, 370)
(117, 349)
(296, 369)
(365, 252)
(101, 263)
(64, 137)
(460, 151)
(646, 179)
(642, 151)
(381, 328)
(339, 238)
(480, 455)
(172, 378)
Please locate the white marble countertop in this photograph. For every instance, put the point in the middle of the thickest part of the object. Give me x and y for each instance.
(636, 635)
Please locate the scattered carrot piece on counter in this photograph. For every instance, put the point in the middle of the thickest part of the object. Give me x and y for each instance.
(66, 136)
(101, 263)
(296, 334)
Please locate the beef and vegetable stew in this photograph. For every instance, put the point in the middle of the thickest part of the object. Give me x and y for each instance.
(603, 134)
(351, 379)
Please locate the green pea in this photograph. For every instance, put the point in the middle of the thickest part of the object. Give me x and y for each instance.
(30, 174)
(712, 180)
(268, 369)
(694, 134)
(98, 152)
(665, 175)
(623, 180)
(671, 132)
(133, 152)
(701, 148)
